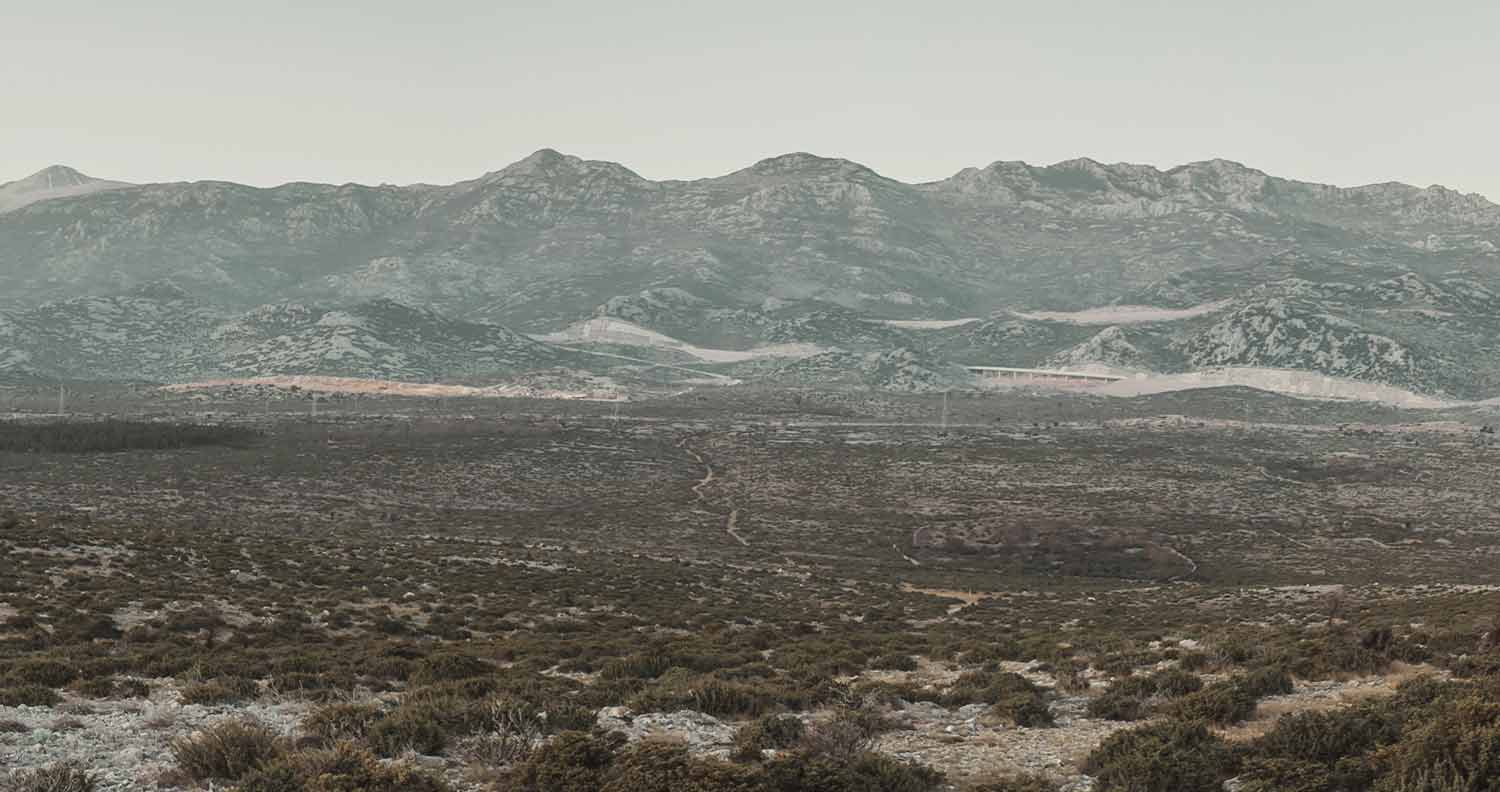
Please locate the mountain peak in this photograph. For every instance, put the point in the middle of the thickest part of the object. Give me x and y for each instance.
(54, 177)
(62, 176)
(551, 163)
(804, 162)
(53, 181)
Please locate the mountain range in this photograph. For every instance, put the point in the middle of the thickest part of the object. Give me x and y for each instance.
(1073, 264)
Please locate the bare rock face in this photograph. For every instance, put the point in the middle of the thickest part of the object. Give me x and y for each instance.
(1282, 334)
(1111, 347)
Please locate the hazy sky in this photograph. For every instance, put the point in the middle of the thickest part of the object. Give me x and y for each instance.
(1341, 91)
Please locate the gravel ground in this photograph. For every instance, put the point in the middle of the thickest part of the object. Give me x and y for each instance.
(125, 742)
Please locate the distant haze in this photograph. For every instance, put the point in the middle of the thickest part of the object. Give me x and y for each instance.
(1338, 91)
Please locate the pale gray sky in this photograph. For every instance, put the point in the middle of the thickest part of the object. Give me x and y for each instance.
(1340, 91)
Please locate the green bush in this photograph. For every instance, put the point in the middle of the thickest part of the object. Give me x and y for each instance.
(1171, 755)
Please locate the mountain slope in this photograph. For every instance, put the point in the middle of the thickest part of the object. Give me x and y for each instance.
(168, 338)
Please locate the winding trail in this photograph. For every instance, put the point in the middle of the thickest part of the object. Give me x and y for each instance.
(732, 519)
(1174, 551)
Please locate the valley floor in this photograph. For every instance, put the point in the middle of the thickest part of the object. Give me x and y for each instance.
(677, 569)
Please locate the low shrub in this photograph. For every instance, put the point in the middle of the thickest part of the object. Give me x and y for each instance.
(344, 768)
(43, 672)
(1171, 755)
(1327, 737)
(565, 716)
(663, 767)
(1118, 705)
(221, 690)
(1221, 703)
(226, 751)
(848, 734)
(1175, 682)
(867, 772)
(63, 777)
(1264, 682)
(985, 687)
(28, 696)
(570, 762)
(411, 727)
(767, 733)
(1023, 708)
(496, 749)
(1456, 750)
(334, 723)
(894, 662)
(1288, 775)
(1017, 783)
(646, 665)
(449, 666)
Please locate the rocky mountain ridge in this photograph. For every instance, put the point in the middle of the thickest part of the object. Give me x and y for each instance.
(544, 240)
(1222, 264)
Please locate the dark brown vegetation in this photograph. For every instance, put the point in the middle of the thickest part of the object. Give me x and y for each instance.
(79, 437)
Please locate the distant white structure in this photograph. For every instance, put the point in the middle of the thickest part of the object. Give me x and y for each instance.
(1041, 375)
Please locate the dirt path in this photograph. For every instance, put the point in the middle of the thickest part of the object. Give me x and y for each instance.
(732, 519)
(1194, 564)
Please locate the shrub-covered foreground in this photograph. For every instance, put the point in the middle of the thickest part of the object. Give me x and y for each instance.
(1429, 737)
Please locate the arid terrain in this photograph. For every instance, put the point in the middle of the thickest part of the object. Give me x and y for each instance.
(782, 589)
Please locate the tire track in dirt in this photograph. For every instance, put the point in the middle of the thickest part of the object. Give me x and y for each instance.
(732, 519)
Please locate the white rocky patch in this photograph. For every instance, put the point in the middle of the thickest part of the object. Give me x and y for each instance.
(1125, 314)
(608, 330)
